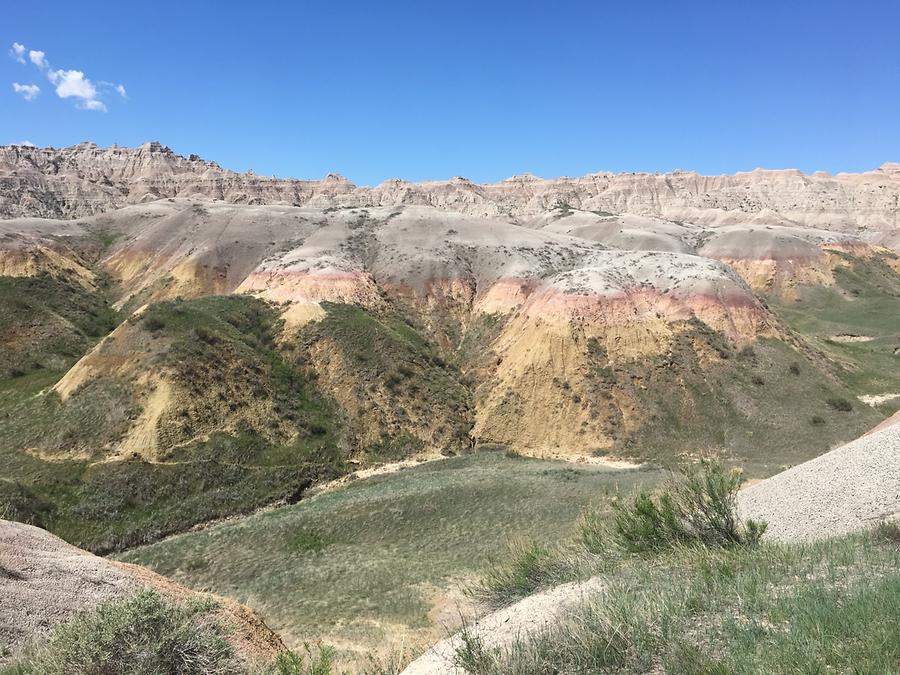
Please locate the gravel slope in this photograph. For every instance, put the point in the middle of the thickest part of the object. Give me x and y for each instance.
(842, 491)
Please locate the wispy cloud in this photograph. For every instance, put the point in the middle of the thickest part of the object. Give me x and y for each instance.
(28, 91)
(68, 83)
(93, 104)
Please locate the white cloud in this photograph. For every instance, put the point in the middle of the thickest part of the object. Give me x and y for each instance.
(18, 52)
(68, 83)
(93, 104)
(28, 91)
(27, 144)
(39, 59)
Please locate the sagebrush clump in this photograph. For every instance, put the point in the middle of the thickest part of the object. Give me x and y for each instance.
(697, 507)
(142, 635)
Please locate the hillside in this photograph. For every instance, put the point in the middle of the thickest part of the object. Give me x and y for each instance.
(826, 565)
(242, 353)
(46, 583)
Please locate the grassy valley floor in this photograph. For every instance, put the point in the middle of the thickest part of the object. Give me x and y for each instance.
(378, 566)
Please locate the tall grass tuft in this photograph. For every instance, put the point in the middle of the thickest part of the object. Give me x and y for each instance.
(312, 660)
(529, 566)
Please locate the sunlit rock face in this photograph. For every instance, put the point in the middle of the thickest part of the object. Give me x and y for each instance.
(85, 179)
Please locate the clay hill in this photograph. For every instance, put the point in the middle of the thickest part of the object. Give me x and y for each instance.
(45, 581)
(165, 322)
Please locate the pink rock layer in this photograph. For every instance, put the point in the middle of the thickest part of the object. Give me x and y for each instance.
(738, 315)
(356, 287)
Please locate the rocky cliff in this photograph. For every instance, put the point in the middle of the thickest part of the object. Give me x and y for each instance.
(85, 179)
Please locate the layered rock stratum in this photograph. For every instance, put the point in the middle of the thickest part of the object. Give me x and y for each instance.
(564, 303)
(85, 179)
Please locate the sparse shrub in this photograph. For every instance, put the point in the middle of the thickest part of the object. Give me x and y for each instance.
(529, 567)
(817, 420)
(205, 335)
(593, 531)
(313, 660)
(596, 349)
(308, 541)
(472, 656)
(747, 352)
(794, 369)
(142, 635)
(154, 324)
(317, 429)
(757, 380)
(839, 404)
(887, 532)
(697, 508)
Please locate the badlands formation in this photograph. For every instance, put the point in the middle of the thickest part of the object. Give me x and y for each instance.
(181, 343)
(563, 305)
(85, 179)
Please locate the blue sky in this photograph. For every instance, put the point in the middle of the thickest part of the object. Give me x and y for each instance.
(422, 90)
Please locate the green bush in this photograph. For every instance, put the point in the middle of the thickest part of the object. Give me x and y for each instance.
(311, 661)
(699, 507)
(839, 404)
(308, 541)
(142, 635)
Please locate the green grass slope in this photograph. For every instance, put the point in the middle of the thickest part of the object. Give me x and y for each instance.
(865, 303)
(682, 585)
(109, 505)
(827, 607)
(48, 323)
(374, 565)
(253, 422)
(396, 387)
(765, 407)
